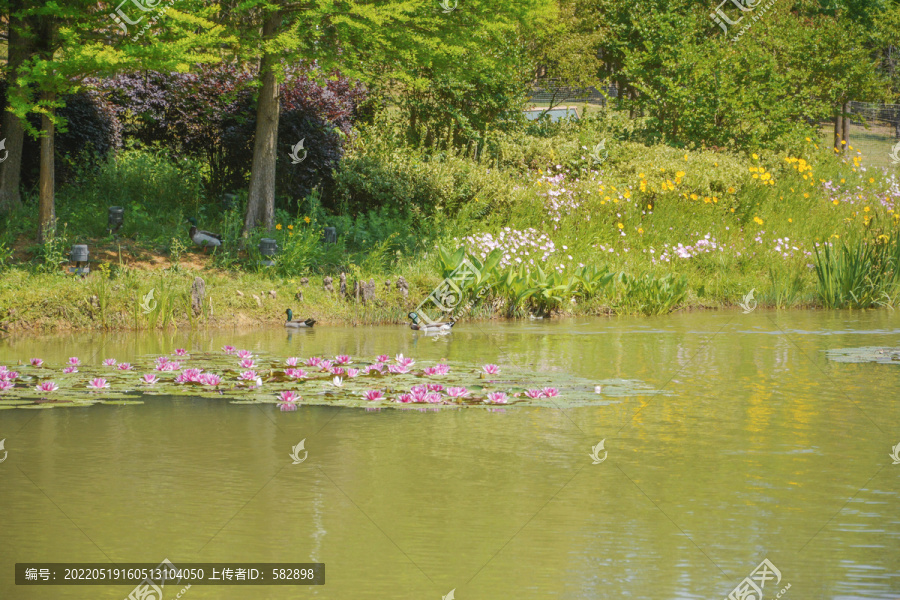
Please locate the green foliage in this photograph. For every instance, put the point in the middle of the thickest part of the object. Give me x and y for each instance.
(861, 274)
(650, 295)
(53, 251)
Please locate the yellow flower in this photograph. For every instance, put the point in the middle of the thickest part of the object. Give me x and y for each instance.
(808, 140)
(758, 220)
(640, 175)
(790, 220)
(766, 176)
(643, 187)
(620, 226)
(843, 142)
(627, 194)
(306, 219)
(732, 210)
(835, 202)
(649, 207)
(679, 174)
(640, 230)
(278, 227)
(753, 169)
(866, 209)
(290, 227)
(871, 180)
(755, 176)
(755, 156)
(685, 157)
(291, 234)
(693, 196)
(731, 190)
(806, 194)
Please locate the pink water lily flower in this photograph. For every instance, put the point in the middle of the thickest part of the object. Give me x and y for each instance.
(325, 365)
(457, 392)
(397, 369)
(46, 386)
(8, 375)
(168, 366)
(98, 383)
(36, 362)
(433, 399)
(244, 354)
(180, 352)
(338, 371)
(352, 373)
(383, 358)
(534, 393)
(247, 363)
(442, 369)
(373, 395)
(342, 359)
(313, 361)
(6, 385)
(369, 368)
(161, 360)
(496, 398)
(227, 349)
(405, 398)
(149, 379)
(287, 406)
(549, 392)
(295, 373)
(292, 361)
(404, 361)
(289, 396)
(109, 362)
(73, 360)
(435, 387)
(491, 369)
(70, 370)
(419, 393)
(248, 375)
(431, 371)
(124, 367)
(210, 379)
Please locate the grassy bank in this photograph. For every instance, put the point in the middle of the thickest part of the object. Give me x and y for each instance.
(554, 224)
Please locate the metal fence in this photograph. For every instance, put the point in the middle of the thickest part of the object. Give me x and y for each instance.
(549, 91)
(876, 116)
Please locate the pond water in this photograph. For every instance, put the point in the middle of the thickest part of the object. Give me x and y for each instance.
(760, 447)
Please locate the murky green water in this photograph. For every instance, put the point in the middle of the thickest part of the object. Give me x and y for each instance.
(763, 448)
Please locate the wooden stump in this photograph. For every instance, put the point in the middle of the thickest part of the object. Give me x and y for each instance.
(368, 290)
(343, 285)
(304, 281)
(356, 290)
(299, 295)
(403, 287)
(327, 284)
(198, 291)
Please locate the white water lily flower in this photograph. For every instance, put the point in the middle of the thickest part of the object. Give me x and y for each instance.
(337, 382)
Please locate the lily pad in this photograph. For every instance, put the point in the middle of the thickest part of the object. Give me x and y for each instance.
(877, 354)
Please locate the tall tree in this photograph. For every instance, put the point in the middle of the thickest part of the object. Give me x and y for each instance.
(76, 39)
(383, 44)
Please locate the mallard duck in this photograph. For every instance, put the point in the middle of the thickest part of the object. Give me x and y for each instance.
(292, 323)
(436, 326)
(204, 238)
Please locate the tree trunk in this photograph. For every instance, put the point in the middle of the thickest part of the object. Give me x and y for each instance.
(838, 129)
(47, 180)
(11, 167)
(845, 128)
(261, 199)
